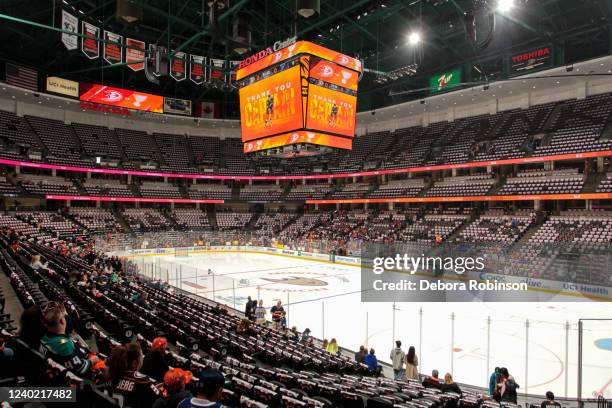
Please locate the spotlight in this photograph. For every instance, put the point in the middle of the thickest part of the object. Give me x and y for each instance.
(504, 6)
(414, 38)
(308, 8)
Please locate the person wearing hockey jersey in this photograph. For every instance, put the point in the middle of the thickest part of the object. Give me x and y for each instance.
(60, 347)
(129, 386)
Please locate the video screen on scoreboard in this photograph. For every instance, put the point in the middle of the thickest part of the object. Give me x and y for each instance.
(301, 136)
(331, 111)
(272, 105)
(335, 74)
(109, 95)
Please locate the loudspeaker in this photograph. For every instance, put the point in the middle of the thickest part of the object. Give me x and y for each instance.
(241, 32)
(128, 13)
(308, 8)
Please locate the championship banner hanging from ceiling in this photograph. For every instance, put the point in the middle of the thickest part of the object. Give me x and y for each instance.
(70, 23)
(231, 76)
(216, 71)
(196, 69)
(90, 46)
(112, 50)
(178, 66)
(135, 57)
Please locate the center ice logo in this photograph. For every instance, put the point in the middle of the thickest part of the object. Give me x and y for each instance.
(297, 280)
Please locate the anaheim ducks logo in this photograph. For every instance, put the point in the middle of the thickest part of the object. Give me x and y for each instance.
(297, 281)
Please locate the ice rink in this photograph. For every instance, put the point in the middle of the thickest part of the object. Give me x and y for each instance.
(450, 337)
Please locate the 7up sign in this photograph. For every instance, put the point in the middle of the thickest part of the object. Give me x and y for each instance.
(445, 81)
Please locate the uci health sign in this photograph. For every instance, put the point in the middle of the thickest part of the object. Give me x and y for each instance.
(445, 81)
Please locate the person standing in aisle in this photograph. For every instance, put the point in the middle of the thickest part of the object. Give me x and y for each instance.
(412, 363)
(260, 314)
(278, 312)
(248, 310)
(398, 357)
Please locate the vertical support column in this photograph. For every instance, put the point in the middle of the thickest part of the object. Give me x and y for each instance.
(68, 203)
(393, 330)
(454, 174)
(421, 336)
(527, 356)
(129, 179)
(88, 175)
(567, 328)
(54, 172)
(600, 164)
(165, 180)
(17, 169)
(172, 206)
(579, 393)
(488, 348)
(452, 363)
(323, 319)
(287, 314)
(234, 293)
(367, 336)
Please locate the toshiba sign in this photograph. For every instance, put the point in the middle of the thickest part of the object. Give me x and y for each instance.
(531, 60)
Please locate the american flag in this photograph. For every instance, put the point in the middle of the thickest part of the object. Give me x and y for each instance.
(22, 77)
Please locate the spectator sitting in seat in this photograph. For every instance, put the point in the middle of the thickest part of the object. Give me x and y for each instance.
(6, 353)
(56, 345)
(372, 362)
(306, 337)
(130, 387)
(209, 390)
(32, 328)
(449, 385)
(360, 355)
(175, 381)
(433, 381)
(550, 401)
(155, 364)
(141, 300)
(332, 347)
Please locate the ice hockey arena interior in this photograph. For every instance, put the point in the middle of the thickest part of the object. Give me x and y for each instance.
(306, 203)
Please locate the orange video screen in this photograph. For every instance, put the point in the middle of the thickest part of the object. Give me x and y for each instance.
(109, 95)
(334, 74)
(300, 136)
(272, 105)
(265, 58)
(331, 111)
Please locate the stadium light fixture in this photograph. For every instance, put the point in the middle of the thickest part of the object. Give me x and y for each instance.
(504, 6)
(414, 38)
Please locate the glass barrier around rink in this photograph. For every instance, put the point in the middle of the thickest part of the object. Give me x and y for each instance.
(536, 341)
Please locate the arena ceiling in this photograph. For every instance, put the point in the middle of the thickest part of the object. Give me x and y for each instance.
(374, 30)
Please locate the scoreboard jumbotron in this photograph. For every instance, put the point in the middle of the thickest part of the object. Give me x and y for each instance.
(298, 100)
